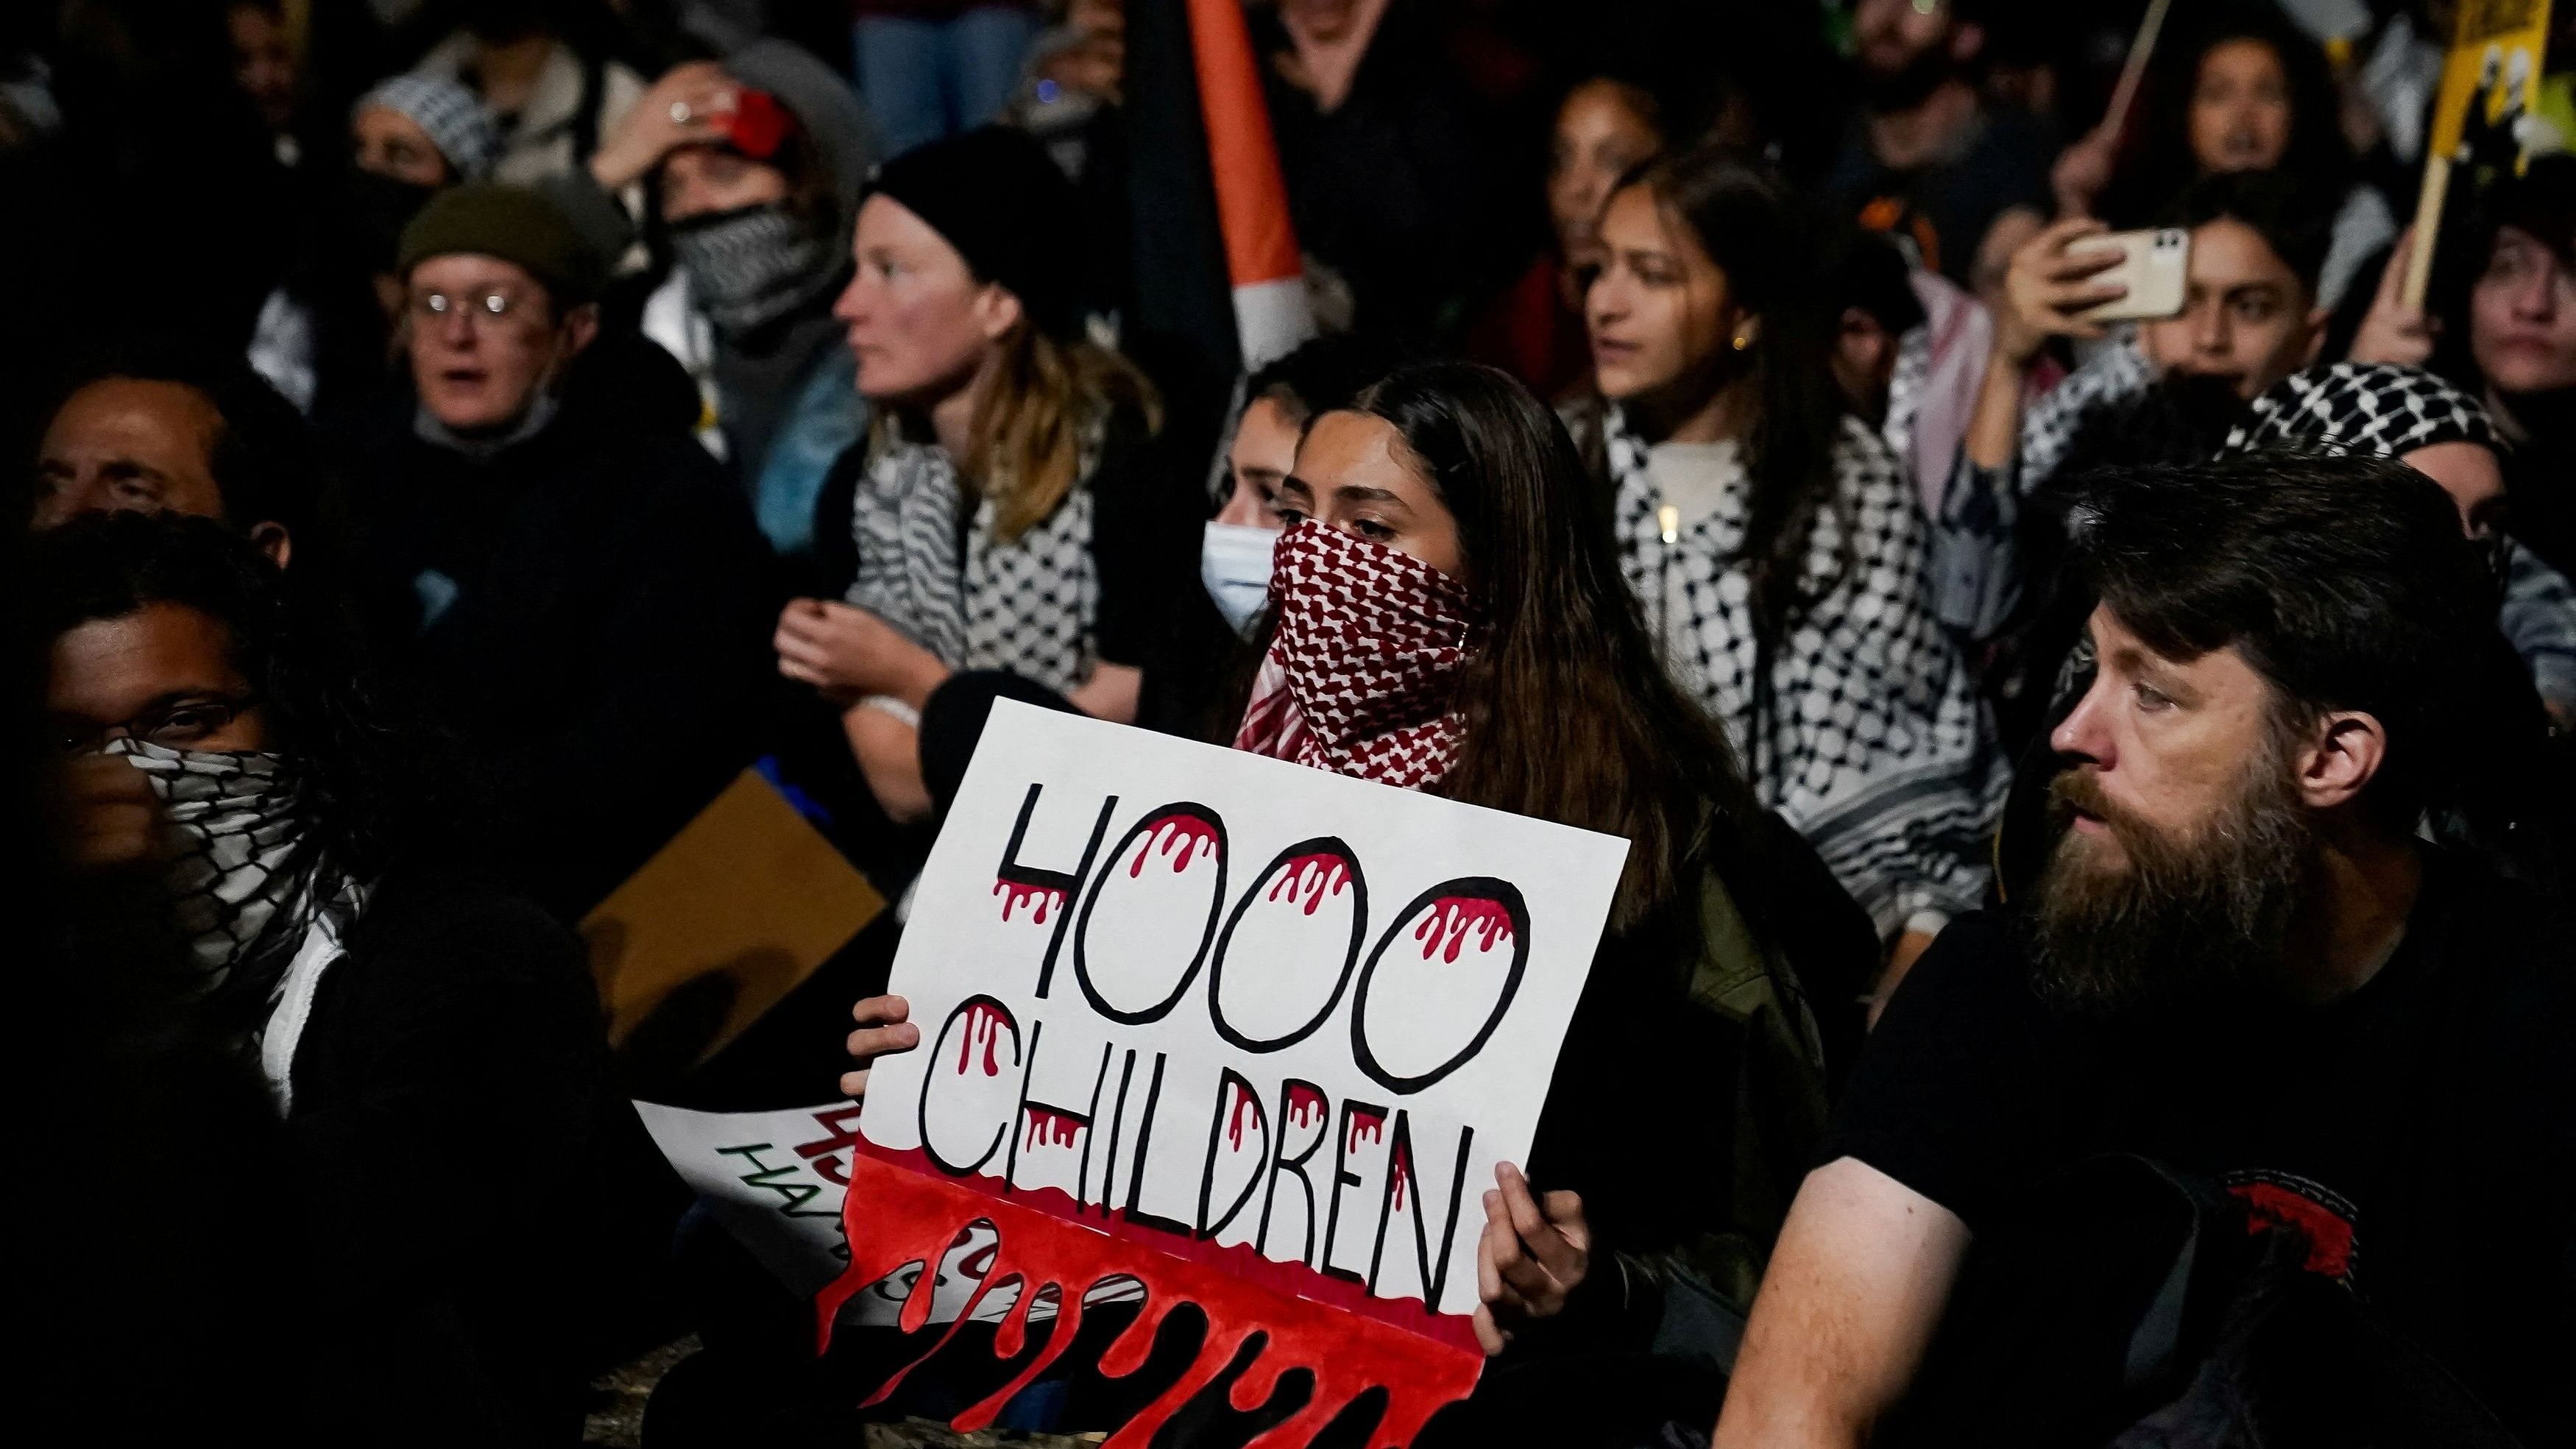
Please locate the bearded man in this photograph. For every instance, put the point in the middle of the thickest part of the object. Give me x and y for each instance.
(2243, 965)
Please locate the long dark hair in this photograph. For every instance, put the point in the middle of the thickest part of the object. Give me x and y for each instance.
(2158, 165)
(1570, 714)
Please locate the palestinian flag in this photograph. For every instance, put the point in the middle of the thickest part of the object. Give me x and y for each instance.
(1217, 269)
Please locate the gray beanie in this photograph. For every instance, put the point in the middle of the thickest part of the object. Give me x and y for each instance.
(457, 121)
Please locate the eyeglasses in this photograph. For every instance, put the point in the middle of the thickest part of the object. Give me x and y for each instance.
(474, 307)
(178, 725)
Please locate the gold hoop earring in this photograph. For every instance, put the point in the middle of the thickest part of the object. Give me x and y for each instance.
(1742, 342)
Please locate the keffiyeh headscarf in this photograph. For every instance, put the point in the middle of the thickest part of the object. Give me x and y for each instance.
(949, 585)
(2374, 408)
(1362, 676)
(457, 121)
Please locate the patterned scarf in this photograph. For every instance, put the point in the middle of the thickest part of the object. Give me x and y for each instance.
(751, 265)
(263, 911)
(975, 602)
(1362, 677)
(1863, 729)
(2371, 408)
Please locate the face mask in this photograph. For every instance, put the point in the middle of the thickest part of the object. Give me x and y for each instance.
(241, 840)
(1234, 563)
(379, 207)
(1362, 676)
(751, 265)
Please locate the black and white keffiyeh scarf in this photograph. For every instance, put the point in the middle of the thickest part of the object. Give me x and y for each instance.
(935, 571)
(1870, 738)
(2371, 408)
(263, 911)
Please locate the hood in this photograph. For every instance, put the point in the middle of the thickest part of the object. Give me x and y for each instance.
(824, 105)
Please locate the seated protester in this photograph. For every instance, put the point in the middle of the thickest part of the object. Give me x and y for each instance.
(2242, 964)
(2441, 432)
(754, 170)
(556, 99)
(1455, 488)
(431, 1046)
(2509, 336)
(169, 429)
(323, 335)
(1007, 511)
(2248, 91)
(1607, 126)
(1208, 653)
(2249, 319)
(565, 575)
(1778, 549)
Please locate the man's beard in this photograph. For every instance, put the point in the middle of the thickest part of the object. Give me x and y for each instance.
(2175, 918)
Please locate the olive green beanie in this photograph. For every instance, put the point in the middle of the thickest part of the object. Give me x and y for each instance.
(514, 224)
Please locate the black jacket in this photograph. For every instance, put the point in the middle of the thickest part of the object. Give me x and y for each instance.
(590, 608)
(474, 1197)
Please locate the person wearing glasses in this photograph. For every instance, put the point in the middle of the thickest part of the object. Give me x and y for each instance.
(264, 871)
(556, 563)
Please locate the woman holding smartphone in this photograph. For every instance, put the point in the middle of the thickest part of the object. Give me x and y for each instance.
(1449, 615)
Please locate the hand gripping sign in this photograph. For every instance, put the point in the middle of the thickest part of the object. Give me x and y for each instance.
(1252, 1034)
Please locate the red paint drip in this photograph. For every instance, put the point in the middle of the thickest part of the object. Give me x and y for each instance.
(1182, 836)
(1244, 1105)
(1399, 1172)
(1312, 876)
(1452, 917)
(983, 1028)
(1304, 1102)
(1364, 1124)
(895, 1216)
(1048, 1124)
(1045, 896)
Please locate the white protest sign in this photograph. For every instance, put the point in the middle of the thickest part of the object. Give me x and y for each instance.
(774, 1180)
(1247, 1012)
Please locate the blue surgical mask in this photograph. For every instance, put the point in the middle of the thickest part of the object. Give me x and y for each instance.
(1234, 563)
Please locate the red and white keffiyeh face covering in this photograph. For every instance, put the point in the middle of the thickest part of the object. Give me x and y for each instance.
(1362, 676)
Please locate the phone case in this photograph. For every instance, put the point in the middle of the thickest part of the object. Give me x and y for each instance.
(2153, 265)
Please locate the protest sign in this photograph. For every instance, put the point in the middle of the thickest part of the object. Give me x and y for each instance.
(737, 910)
(2490, 85)
(1253, 1034)
(774, 1181)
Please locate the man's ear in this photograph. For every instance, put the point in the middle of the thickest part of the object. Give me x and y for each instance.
(2317, 319)
(2344, 753)
(272, 539)
(580, 326)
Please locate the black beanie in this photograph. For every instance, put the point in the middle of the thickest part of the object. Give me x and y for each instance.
(512, 223)
(993, 195)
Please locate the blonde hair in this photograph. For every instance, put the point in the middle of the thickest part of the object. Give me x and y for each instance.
(1030, 429)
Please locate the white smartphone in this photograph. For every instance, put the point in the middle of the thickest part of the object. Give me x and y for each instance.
(2153, 266)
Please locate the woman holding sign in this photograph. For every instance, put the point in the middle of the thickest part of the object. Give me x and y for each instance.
(1448, 615)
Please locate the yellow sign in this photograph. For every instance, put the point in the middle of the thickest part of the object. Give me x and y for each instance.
(2490, 81)
(2490, 86)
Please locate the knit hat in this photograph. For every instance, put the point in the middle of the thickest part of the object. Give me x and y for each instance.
(457, 121)
(514, 224)
(2370, 408)
(994, 196)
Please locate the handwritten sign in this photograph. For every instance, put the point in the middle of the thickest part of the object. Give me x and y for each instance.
(1252, 1033)
(774, 1181)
